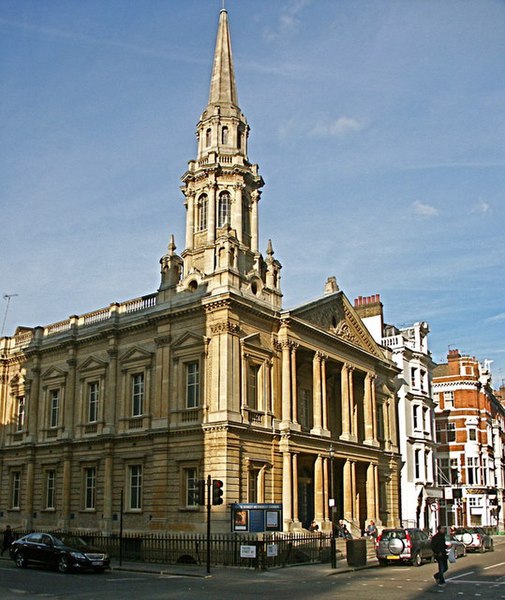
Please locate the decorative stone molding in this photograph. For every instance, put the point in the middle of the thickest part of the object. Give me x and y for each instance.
(225, 327)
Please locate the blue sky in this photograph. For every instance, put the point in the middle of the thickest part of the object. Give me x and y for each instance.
(378, 126)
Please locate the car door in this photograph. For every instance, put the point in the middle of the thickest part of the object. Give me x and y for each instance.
(30, 548)
(425, 545)
(47, 550)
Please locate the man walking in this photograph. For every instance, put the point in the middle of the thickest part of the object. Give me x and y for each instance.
(440, 552)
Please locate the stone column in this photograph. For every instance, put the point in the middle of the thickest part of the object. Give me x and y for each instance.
(318, 489)
(67, 486)
(371, 498)
(294, 390)
(346, 417)
(190, 219)
(326, 487)
(287, 494)
(286, 381)
(255, 196)
(316, 393)
(352, 407)
(211, 223)
(33, 402)
(110, 398)
(238, 218)
(30, 481)
(324, 401)
(296, 517)
(348, 490)
(70, 400)
(108, 489)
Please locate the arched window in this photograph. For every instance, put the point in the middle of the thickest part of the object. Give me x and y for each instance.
(224, 135)
(207, 137)
(224, 209)
(239, 139)
(203, 204)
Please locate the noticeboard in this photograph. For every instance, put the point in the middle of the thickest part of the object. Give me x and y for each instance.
(256, 517)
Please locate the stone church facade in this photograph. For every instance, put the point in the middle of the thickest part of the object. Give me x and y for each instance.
(209, 375)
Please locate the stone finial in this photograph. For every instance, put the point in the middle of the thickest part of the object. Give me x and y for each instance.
(331, 285)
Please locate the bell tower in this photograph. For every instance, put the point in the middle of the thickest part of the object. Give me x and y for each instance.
(222, 190)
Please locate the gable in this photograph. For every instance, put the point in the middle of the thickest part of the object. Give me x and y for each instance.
(136, 354)
(187, 340)
(92, 364)
(335, 315)
(53, 373)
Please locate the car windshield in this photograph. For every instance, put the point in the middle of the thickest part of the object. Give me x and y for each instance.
(460, 530)
(70, 540)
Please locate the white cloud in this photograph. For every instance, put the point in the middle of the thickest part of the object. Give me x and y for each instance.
(481, 208)
(425, 210)
(498, 317)
(289, 21)
(337, 127)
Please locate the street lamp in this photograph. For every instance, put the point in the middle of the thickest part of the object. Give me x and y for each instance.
(331, 503)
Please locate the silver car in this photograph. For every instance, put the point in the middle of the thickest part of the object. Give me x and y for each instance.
(410, 545)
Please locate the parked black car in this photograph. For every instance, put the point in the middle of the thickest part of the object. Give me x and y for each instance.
(66, 553)
(409, 545)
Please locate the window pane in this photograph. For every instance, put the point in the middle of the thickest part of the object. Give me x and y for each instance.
(90, 488)
(192, 384)
(191, 487)
(137, 394)
(224, 208)
(54, 408)
(50, 489)
(136, 487)
(20, 417)
(93, 390)
(16, 490)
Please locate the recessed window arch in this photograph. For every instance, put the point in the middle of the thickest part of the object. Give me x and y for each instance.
(203, 208)
(224, 209)
(224, 135)
(208, 135)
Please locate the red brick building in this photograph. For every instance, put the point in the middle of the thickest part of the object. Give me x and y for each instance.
(470, 433)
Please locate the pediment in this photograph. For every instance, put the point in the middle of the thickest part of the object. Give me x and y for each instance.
(92, 364)
(53, 373)
(335, 314)
(187, 340)
(136, 354)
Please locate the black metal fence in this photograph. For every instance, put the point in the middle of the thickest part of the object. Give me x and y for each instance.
(261, 551)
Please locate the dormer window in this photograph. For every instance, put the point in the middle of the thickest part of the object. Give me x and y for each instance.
(224, 209)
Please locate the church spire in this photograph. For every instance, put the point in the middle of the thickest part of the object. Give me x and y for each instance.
(223, 89)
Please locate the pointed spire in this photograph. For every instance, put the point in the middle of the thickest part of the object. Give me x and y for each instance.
(171, 246)
(223, 89)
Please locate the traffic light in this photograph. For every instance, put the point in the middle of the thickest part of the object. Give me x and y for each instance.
(199, 493)
(217, 492)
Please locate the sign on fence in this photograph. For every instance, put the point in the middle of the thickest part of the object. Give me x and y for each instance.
(247, 551)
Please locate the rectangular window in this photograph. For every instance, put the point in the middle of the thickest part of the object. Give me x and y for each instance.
(413, 377)
(16, 489)
(192, 384)
(191, 485)
(252, 386)
(417, 464)
(50, 489)
(93, 394)
(20, 413)
(423, 380)
(54, 407)
(426, 420)
(137, 394)
(472, 434)
(416, 408)
(252, 489)
(472, 470)
(448, 399)
(451, 432)
(135, 487)
(89, 488)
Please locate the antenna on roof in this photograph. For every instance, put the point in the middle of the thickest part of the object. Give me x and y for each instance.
(8, 298)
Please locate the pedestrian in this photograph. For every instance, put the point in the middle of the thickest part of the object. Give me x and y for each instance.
(7, 539)
(314, 526)
(440, 552)
(371, 530)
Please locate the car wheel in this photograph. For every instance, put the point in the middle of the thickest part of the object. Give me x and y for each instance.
(63, 565)
(491, 546)
(20, 560)
(417, 561)
(383, 562)
(482, 549)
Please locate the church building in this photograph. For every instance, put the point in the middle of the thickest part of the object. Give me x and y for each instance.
(209, 375)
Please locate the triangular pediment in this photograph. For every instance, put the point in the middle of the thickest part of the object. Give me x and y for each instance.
(92, 364)
(136, 354)
(53, 373)
(335, 314)
(188, 340)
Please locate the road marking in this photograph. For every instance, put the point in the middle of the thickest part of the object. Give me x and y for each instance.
(462, 575)
(127, 579)
(493, 566)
